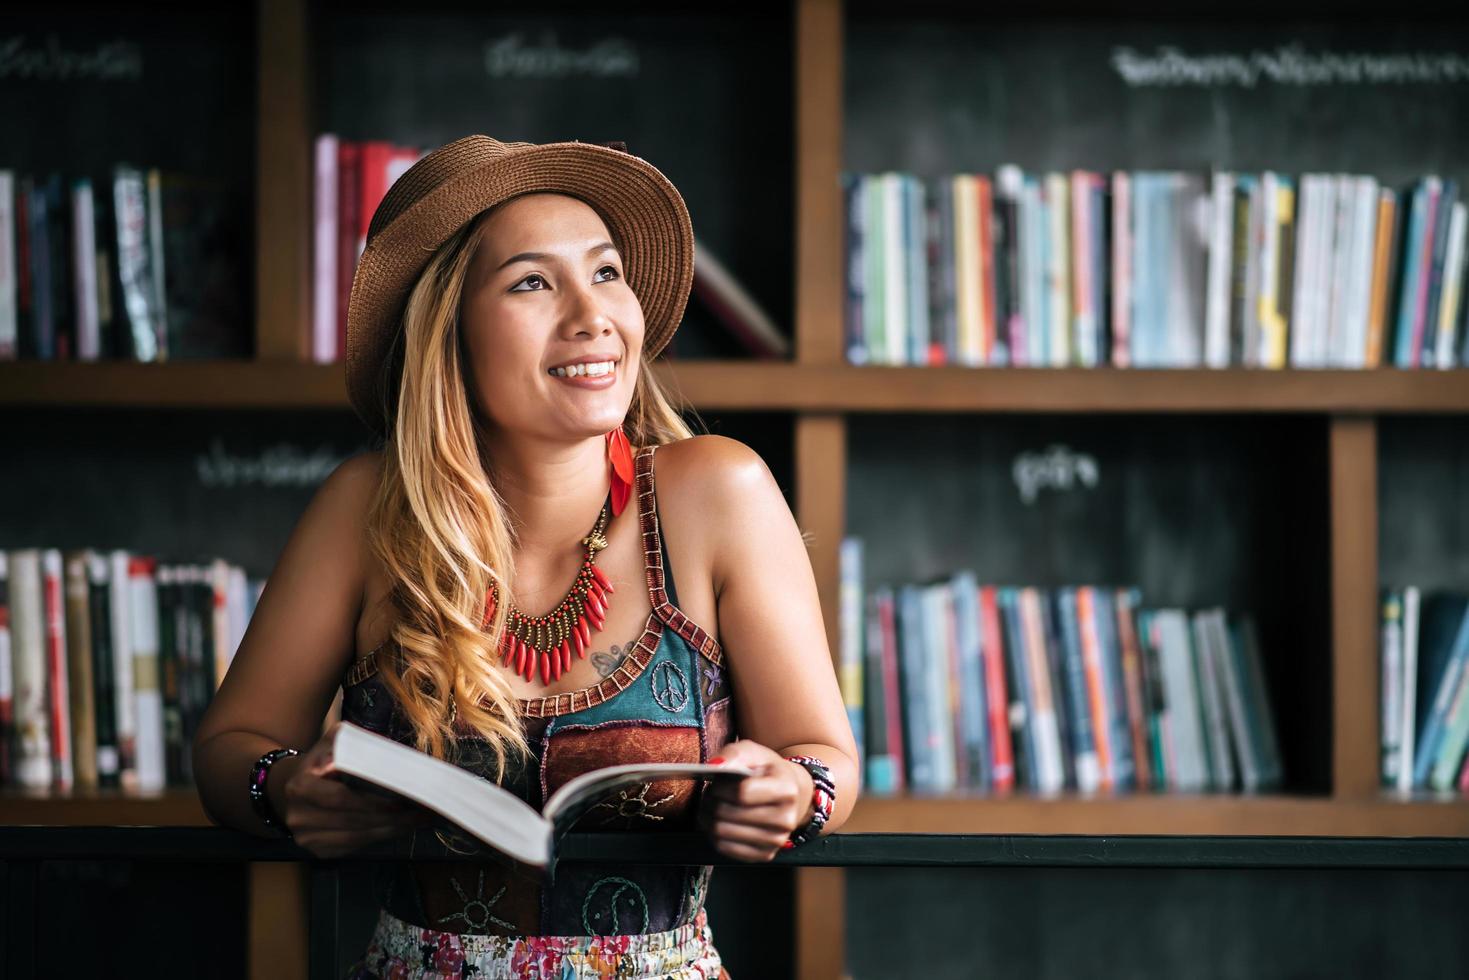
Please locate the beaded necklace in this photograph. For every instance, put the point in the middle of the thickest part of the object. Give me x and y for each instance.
(547, 642)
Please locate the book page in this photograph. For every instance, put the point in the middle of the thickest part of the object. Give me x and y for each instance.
(585, 791)
(489, 812)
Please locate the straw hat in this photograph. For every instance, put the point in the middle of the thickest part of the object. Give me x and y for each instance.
(446, 189)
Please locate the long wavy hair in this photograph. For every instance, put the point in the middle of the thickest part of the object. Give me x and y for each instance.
(441, 530)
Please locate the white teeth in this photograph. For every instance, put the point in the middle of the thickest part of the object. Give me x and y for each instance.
(584, 370)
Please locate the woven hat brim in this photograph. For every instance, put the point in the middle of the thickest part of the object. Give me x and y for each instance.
(644, 212)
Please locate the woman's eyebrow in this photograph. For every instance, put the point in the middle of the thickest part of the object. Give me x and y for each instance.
(545, 256)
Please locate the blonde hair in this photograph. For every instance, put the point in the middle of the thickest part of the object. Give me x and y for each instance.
(440, 528)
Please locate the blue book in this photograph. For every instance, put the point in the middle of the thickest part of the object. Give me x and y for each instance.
(916, 255)
(973, 720)
(1408, 276)
(1443, 651)
(918, 739)
(1078, 709)
(1124, 774)
(854, 201)
(1021, 698)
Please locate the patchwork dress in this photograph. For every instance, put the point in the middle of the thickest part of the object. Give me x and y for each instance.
(488, 916)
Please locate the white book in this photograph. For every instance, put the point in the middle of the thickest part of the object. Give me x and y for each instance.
(1341, 270)
(895, 272)
(237, 600)
(1049, 766)
(1221, 256)
(1181, 694)
(1308, 245)
(84, 276)
(1188, 257)
(9, 272)
(324, 254)
(1406, 754)
(147, 679)
(28, 636)
(1211, 648)
(1391, 688)
(1121, 270)
(125, 702)
(1037, 326)
(489, 812)
(1319, 273)
(1453, 279)
(1364, 240)
(1058, 269)
(1232, 680)
(1084, 334)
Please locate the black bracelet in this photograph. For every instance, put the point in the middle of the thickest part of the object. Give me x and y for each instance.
(258, 800)
(823, 798)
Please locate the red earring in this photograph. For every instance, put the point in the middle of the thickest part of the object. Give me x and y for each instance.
(619, 455)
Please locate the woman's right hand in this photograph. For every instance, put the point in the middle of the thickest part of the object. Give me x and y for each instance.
(329, 818)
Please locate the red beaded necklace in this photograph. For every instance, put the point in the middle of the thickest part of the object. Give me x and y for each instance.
(547, 642)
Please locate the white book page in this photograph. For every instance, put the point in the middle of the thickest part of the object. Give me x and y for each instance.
(494, 815)
(584, 791)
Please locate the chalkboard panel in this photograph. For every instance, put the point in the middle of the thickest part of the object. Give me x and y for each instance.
(952, 924)
(181, 485)
(84, 86)
(704, 94)
(198, 485)
(1196, 511)
(939, 92)
(1423, 501)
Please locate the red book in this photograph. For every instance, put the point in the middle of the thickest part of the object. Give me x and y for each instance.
(349, 156)
(1096, 691)
(372, 186)
(56, 678)
(1002, 756)
(984, 194)
(1132, 672)
(893, 709)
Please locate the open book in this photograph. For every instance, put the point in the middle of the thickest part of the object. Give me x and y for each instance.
(496, 816)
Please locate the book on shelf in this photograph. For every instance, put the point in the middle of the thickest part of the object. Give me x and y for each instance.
(107, 662)
(489, 812)
(1424, 720)
(1154, 269)
(968, 686)
(137, 264)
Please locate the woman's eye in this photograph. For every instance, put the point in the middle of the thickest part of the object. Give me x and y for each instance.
(528, 278)
(606, 268)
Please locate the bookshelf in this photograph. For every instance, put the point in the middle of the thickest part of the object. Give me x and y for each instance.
(1348, 422)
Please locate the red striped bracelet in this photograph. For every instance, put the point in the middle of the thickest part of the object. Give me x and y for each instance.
(823, 798)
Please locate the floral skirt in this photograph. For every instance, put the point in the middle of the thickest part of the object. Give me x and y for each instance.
(402, 951)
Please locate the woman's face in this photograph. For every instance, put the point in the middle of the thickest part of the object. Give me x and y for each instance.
(544, 292)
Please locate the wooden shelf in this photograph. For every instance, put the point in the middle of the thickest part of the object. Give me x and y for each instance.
(102, 808)
(1292, 816)
(786, 387)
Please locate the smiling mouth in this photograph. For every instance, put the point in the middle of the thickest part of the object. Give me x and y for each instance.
(595, 369)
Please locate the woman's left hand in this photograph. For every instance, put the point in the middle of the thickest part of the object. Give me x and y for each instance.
(751, 819)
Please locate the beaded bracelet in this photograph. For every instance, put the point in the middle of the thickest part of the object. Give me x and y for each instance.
(823, 797)
(258, 800)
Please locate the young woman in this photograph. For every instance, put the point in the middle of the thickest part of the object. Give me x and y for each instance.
(542, 572)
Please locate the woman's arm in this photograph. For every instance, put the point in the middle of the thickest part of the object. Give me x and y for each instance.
(770, 625)
(299, 643)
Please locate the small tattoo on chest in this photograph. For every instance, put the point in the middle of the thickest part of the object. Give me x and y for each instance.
(606, 663)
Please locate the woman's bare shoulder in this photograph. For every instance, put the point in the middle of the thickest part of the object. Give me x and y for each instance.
(708, 466)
